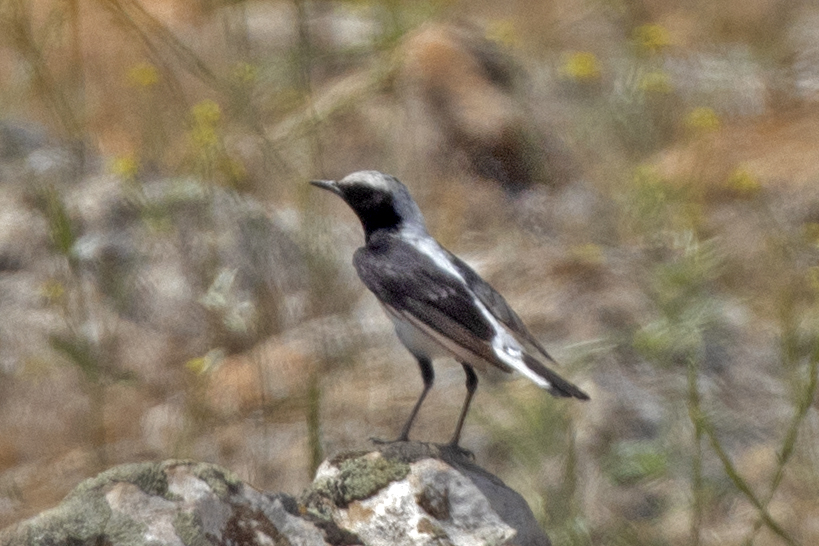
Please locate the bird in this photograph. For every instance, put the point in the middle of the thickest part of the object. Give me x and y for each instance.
(440, 307)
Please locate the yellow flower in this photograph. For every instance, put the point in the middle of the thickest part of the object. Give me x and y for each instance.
(589, 254)
(233, 169)
(52, 290)
(651, 38)
(744, 182)
(581, 66)
(157, 223)
(650, 190)
(245, 73)
(812, 232)
(198, 365)
(702, 119)
(657, 82)
(647, 175)
(143, 75)
(206, 113)
(125, 166)
(205, 363)
(204, 136)
(503, 32)
(813, 277)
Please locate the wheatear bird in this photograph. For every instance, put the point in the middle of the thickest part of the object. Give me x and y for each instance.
(439, 305)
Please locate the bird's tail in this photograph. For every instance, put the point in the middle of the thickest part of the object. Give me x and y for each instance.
(557, 386)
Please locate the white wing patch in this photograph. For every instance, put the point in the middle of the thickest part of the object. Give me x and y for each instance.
(505, 347)
(508, 351)
(514, 352)
(426, 244)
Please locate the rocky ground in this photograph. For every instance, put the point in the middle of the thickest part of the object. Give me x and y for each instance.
(404, 494)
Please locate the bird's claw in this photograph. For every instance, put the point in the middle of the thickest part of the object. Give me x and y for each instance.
(460, 451)
(382, 441)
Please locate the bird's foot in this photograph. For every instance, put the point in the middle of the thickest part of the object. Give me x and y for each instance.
(382, 441)
(459, 451)
(450, 449)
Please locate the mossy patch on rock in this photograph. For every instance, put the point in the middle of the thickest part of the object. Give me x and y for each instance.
(360, 478)
(149, 477)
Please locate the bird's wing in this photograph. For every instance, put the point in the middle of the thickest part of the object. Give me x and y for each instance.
(497, 305)
(410, 284)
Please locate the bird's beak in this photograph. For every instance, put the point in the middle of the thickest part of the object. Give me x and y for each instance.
(326, 185)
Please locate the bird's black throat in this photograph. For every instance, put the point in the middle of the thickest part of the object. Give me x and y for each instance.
(375, 209)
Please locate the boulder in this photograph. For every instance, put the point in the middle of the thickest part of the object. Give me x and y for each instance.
(404, 493)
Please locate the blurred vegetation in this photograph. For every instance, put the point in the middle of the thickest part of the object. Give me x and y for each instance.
(665, 244)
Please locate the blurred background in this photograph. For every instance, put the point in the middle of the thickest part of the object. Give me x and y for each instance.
(639, 178)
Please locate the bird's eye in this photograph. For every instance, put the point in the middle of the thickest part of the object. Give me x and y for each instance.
(367, 199)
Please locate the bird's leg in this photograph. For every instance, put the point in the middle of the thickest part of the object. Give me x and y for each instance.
(428, 375)
(471, 387)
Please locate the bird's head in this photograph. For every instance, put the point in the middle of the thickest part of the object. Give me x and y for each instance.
(379, 200)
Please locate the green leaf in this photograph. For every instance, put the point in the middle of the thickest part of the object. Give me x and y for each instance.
(79, 351)
(61, 227)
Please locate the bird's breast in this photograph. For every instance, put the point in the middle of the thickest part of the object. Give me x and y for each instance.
(417, 342)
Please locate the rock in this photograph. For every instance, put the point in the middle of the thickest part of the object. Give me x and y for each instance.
(171, 503)
(405, 493)
(20, 139)
(202, 263)
(463, 95)
(411, 493)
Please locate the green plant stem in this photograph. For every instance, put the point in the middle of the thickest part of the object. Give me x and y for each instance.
(19, 32)
(695, 413)
(305, 56)
(96, 396)
(235, 29)
(149, 28)
(789, 442)
(78, 60)
(314, 422)
(740, 483)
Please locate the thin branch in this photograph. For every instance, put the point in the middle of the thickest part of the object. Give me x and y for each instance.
(789, 442)
(695, 413)
(150, 29)
(740, 483)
